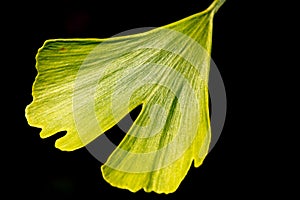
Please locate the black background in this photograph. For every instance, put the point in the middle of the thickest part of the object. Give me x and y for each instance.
(38, 170)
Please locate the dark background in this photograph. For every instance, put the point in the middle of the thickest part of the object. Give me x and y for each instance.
(38, 170)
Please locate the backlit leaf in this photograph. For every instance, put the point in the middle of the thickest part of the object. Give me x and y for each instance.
(86, 86)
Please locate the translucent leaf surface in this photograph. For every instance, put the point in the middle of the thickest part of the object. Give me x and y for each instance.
(86, 86)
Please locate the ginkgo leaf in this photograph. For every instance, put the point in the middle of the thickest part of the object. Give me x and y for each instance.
(86, 86)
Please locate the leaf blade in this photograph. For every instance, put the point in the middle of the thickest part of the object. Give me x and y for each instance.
(85, 86)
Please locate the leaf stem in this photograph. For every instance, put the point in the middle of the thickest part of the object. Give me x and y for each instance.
(218, 4)
(215, 5)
